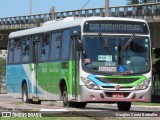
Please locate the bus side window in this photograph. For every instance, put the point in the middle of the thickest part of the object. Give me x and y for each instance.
(45, 47)
(65, 44)
(17, 51)
(10, 51)
(25, 50)
(55, 45)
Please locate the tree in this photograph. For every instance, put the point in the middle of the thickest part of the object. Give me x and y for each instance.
(129, 2)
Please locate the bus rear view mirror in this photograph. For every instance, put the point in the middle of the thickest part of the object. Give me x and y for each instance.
(76, 34)
(79, 45)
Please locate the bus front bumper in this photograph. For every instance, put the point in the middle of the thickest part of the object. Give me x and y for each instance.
(90, 95)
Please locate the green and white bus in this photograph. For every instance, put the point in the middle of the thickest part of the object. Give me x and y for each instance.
(82, 60)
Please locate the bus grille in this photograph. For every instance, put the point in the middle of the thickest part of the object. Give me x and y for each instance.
(122, 87)
(117, 80)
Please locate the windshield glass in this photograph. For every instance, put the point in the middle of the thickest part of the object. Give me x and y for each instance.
(116, 54)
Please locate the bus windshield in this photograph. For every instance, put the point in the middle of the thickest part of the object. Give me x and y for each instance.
(116, 54)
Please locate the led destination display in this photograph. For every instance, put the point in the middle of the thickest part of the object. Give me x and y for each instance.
(115, 27)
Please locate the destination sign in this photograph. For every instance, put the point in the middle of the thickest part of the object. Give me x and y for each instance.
(115, 27)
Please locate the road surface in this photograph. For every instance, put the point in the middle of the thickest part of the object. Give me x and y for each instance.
(15, 108)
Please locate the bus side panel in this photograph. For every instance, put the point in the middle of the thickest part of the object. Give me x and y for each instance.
(48, 77)
(15, 75)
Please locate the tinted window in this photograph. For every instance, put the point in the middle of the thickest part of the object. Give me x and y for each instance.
(36, 48)
(25, 50)
(17, 51)
(65, 44)
(55, 45)
(45, 47)
(10, 51)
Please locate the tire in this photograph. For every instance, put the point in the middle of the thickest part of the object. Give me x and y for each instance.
(80, 104)
(124, 106)
(38, 102)
(25, 94)
(66, 103)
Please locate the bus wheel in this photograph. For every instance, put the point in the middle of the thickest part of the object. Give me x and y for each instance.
(65, 97)
(124, 106)
(80, 104)
(37, 102)
(25, 94)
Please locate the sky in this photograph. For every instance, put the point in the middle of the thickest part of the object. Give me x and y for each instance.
(10, 8)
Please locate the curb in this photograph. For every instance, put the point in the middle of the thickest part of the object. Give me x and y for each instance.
(4, 94)
(136, 106)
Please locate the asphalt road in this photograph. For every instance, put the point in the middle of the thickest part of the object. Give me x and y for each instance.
(50, 108)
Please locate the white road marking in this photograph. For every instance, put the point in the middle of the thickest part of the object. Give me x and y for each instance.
(58, 110)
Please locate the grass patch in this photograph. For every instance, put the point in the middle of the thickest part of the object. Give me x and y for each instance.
(48, 118)
(66, 118)
(17, 103)
(146, 104)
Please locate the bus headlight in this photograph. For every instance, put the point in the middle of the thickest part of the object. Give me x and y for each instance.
(89, 83)
(143, 85)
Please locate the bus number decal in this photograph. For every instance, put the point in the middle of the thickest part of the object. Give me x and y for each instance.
(108, 69)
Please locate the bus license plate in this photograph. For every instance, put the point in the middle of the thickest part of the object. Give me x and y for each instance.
(118, 95)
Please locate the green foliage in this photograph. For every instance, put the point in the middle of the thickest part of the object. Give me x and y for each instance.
(2, 64)
(129, 2)
(2, 60)
(155, 61)
(37, 22)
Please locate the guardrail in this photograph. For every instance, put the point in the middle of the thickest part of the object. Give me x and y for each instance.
(150, 12)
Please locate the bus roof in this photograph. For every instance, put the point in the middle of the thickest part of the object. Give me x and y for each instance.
(65, 23)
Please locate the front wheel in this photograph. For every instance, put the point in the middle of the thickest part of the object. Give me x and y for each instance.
(80, 104)
(124, 106)
(66, 103)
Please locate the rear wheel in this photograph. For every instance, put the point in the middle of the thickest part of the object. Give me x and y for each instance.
(37, 102)
(124, 106)
(25, 94)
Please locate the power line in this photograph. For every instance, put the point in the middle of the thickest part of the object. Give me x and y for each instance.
(86, 4)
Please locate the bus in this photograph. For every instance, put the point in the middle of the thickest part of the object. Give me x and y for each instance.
(80, 61)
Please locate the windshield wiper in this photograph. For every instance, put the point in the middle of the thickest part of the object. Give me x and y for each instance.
(129, 41)
(104, 42)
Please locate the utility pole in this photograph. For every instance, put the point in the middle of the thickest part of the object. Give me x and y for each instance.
(30, 7)
(106, 8)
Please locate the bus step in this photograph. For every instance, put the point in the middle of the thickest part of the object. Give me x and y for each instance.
(35, 99)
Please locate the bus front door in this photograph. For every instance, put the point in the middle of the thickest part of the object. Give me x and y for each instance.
(35, 70)
(75, 70)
